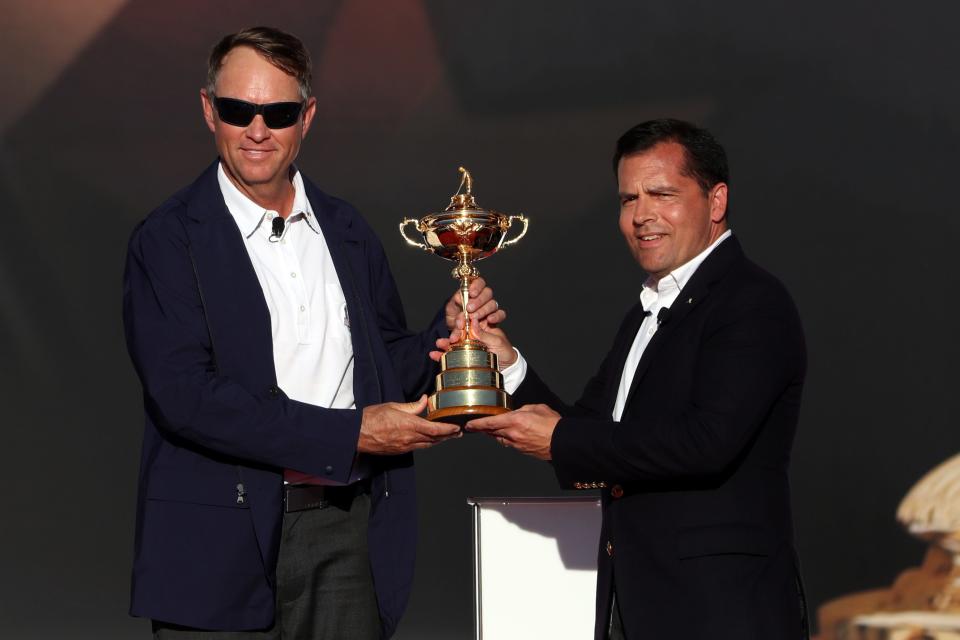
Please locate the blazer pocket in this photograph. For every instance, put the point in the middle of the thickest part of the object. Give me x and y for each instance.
(176, 485)
(721, 539)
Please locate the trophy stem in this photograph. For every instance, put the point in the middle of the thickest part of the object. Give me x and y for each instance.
(465, 298)
(466, 272)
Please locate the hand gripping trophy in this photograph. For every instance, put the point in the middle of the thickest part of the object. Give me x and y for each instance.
(469, 383)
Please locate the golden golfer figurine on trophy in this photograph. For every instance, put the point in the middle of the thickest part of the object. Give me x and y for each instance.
(469, 383)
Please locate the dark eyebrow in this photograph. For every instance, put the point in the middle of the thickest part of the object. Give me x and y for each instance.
(661, 189)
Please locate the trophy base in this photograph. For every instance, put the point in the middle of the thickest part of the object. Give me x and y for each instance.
(460, 405)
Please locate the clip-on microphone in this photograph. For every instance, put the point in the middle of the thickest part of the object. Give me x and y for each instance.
(276, 229)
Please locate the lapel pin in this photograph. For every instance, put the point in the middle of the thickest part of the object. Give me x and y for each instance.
(689, 300)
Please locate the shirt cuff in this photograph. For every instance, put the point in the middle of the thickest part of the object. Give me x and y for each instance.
(514, 374)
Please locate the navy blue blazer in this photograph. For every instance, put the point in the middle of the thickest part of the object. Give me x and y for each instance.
(697, 534)
(218, 431)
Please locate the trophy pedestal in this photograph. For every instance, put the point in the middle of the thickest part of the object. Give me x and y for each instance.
(469, 385)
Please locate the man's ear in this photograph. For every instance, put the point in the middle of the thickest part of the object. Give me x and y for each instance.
(308, 112)
(207, 105)
(718, 202)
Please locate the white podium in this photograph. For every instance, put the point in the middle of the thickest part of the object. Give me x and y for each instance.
(535, 567)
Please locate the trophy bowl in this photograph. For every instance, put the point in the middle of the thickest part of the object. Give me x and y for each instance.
(480, 232)
(463, 234)
(469, 383)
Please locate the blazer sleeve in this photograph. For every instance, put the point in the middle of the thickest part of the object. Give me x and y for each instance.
(748, 359)
(187, 396)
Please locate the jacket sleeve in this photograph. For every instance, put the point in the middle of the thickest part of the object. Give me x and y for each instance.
(184, 392)
(748, 360)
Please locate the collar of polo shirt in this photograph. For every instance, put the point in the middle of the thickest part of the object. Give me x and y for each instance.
(254, 219)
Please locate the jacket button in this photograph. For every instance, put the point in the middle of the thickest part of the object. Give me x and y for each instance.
(273, 392)
(609, 548)
(616, 491)
(328, 470)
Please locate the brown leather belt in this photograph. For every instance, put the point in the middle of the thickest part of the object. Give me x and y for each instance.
(301, 497)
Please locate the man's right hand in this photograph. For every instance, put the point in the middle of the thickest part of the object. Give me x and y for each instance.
(392, 428)
(491, 336)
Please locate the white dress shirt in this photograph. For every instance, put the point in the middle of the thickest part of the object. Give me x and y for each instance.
(514, 373)
(656, 295)
(312, 352)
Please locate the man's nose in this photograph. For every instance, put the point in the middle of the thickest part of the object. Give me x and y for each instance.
(642, 213)
(258, 130)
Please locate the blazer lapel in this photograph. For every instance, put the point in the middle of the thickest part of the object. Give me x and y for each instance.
(348, 254)
(237, 312)
(620, 351)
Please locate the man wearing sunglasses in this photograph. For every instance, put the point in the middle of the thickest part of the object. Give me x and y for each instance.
(276, 491)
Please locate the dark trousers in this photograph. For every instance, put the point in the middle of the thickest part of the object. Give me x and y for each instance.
(324, 586)
(615, 627)
(615, 630)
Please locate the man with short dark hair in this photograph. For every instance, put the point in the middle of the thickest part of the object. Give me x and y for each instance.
(687, 426)
(276, 490)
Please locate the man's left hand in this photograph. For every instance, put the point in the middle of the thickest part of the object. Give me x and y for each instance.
(481, 306)
(529, 429)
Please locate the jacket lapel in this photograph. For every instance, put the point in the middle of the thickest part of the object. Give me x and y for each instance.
(696, 289)
(348, 254)
(237, 312)
(619, 352)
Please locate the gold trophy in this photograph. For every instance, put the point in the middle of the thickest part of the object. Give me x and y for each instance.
(469, 383)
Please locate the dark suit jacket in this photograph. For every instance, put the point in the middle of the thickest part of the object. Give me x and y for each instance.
(699, 542)
(198, 331)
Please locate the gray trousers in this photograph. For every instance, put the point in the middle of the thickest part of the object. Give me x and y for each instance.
(324, 586)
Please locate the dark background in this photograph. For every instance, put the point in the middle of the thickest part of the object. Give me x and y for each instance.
(841, 125)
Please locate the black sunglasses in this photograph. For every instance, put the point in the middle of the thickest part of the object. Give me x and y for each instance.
(240, 113)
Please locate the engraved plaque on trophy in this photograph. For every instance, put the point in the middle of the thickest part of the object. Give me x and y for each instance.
(469, 384)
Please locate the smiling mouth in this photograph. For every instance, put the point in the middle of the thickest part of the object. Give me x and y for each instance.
(651, 237)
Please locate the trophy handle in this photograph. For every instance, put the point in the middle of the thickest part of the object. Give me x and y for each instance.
(403, 232)
(510, 220)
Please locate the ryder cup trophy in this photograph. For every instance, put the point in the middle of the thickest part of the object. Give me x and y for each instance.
(469, 383)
